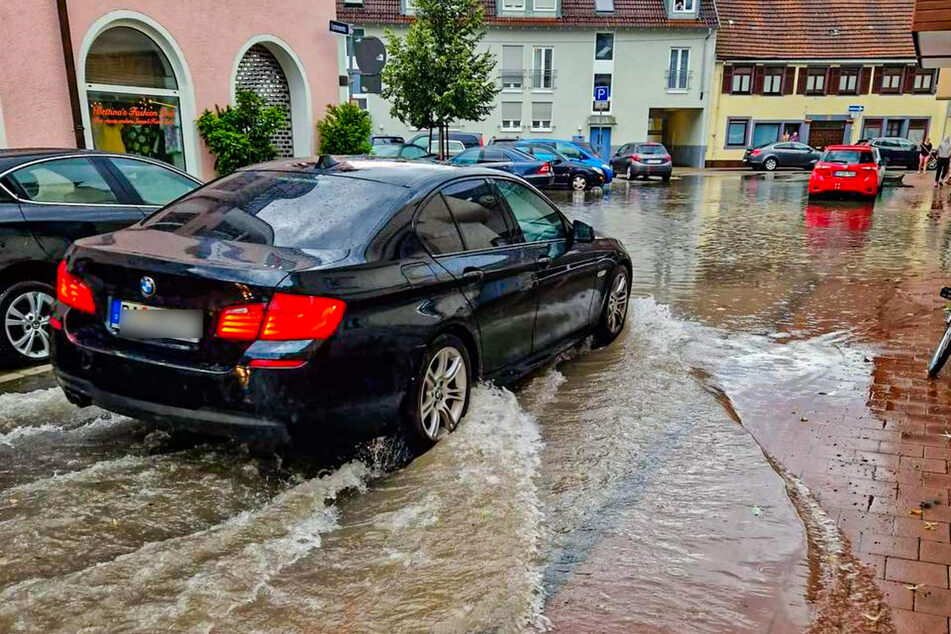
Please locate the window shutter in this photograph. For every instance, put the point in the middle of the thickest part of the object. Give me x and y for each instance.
(908, 83)
(803, 73)
(833, 81)
(727, 79)
(865, 80)
(511, 110)
(789, 80)
(877, 82)
(758, 74)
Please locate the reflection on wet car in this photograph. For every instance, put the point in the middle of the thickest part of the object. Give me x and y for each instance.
(331, 297)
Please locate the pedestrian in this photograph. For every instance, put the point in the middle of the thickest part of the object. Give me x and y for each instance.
(925, 155)
(944, 158)
(795, 136)
(785, 136)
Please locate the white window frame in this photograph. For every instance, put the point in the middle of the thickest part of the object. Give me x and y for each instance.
(771, 78)
(681, 51)
(550, 71)
(849, 83)
(738, 78)
(544, 9)
(613, 42)
(692, 4)
(923, 82)
(511, 125)
(887, 78)
(521, 78)
(513, 5)
(815, 83)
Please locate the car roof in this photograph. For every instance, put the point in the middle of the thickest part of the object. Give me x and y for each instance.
(860, 148)
(400, 173)
(12, 157)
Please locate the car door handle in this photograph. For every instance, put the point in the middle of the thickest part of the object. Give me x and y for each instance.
(473, 274)
(543, 261)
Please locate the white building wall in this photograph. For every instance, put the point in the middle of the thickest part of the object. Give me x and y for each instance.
(639, 83)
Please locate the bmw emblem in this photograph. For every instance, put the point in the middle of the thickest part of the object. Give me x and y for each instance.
(147, 286)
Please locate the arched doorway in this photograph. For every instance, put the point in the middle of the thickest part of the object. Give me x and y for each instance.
(268, 66)
(260, 72)
(134, 93)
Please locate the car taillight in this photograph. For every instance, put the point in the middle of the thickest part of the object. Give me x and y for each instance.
(545, 168)
(277, 364)
(242, 323)
(635, 157)
(72, 291)
(666, 157)
(754, 152)
(481, 141)
(286, 317)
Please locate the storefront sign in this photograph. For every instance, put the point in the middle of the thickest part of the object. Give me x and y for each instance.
(132, 115)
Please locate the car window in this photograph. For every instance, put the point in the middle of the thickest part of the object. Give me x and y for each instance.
(848, 157)
(493, 156)
(478, 213)
(570, 151)
(535, 217)
(468, 157)
(651, 148)
(321, 211)
(72, 180)
(783, 146)
(435, 227)
(412, 152)
(154, 184)
(801, 146)
(388, 150)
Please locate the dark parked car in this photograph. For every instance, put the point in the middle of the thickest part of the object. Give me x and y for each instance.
(308, 297)
(48, 198)
(468, 139)
(782, 154)
(897, 152)
(643, 160)
(569, 173)
(403, 151)
(508, 159)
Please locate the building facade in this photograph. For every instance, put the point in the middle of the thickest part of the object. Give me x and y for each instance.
(655, 57)
(144, 71)
(851, 75)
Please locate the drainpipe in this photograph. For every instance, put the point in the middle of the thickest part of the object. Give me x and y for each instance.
(705, 116)
(71, 83)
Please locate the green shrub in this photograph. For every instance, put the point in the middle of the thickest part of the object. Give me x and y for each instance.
(241, 135)
(345, 130)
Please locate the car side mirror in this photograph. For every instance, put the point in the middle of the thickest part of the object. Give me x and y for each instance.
(582, 232)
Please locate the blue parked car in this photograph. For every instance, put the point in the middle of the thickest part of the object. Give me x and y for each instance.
(508, 159)
(576, 152)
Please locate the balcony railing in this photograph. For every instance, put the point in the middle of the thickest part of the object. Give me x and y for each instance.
(678, 80)
(543, 79)
(513, 78)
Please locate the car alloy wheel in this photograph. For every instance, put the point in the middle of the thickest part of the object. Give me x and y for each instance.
(579, 182)
(617, 304)
(770, 164)
(27, 322)
(442, 399)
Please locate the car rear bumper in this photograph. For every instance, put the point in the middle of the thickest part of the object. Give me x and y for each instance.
(867, 185)
(540, 180)
(329, 396)
(642, 169)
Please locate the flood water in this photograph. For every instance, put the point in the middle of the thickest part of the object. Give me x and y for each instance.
(623, 489)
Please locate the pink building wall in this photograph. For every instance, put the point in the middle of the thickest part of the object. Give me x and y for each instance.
(210, 34)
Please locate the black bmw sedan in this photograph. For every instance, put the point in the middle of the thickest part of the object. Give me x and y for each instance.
(310, 297)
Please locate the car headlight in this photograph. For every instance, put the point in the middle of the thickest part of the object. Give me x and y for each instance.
(605, 167)
(598, 170)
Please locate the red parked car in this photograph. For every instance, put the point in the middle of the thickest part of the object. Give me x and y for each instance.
(852, 169)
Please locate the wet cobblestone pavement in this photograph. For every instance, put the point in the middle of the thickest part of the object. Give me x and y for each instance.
(760, 451)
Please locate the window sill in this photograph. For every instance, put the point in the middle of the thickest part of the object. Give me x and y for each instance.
(510, 129)
(513, 89)
(677, 91)
(542, 129)
(740, 93)
(544, 91)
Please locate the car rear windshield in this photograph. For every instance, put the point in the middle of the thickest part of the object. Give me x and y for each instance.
(848, 157)
(651, 148)
(284, 209)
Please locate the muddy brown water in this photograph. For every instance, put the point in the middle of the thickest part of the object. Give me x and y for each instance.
(618, 489)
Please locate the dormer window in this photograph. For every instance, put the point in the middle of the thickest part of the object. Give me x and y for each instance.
(684, 6)
(513, 5)
(544, 5)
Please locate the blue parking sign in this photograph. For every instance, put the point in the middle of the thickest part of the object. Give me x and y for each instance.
(602, 93)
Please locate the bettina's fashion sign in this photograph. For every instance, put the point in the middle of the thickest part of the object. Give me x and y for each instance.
(134, 115)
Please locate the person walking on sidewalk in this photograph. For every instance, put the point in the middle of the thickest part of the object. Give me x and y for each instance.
(925, 151)
(944, 158)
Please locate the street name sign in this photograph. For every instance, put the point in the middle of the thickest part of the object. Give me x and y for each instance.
(341, 28)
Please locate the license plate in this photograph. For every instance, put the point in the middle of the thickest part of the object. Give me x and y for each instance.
(140, 321)
(655, 161)
(845, 174)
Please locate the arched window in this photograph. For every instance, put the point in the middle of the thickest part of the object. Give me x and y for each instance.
(133, 97)
(260, 72)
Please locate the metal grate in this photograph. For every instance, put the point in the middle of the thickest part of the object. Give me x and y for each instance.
(260, 72)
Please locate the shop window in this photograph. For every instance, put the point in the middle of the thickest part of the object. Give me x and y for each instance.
(872, 129)
(764, 134)
(133, 97)
(894, 127)
(736, 131)
(917, 130)
(742, 80)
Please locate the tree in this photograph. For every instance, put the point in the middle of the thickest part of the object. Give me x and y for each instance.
(434, 75)
(345, 129)
(241, 135)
